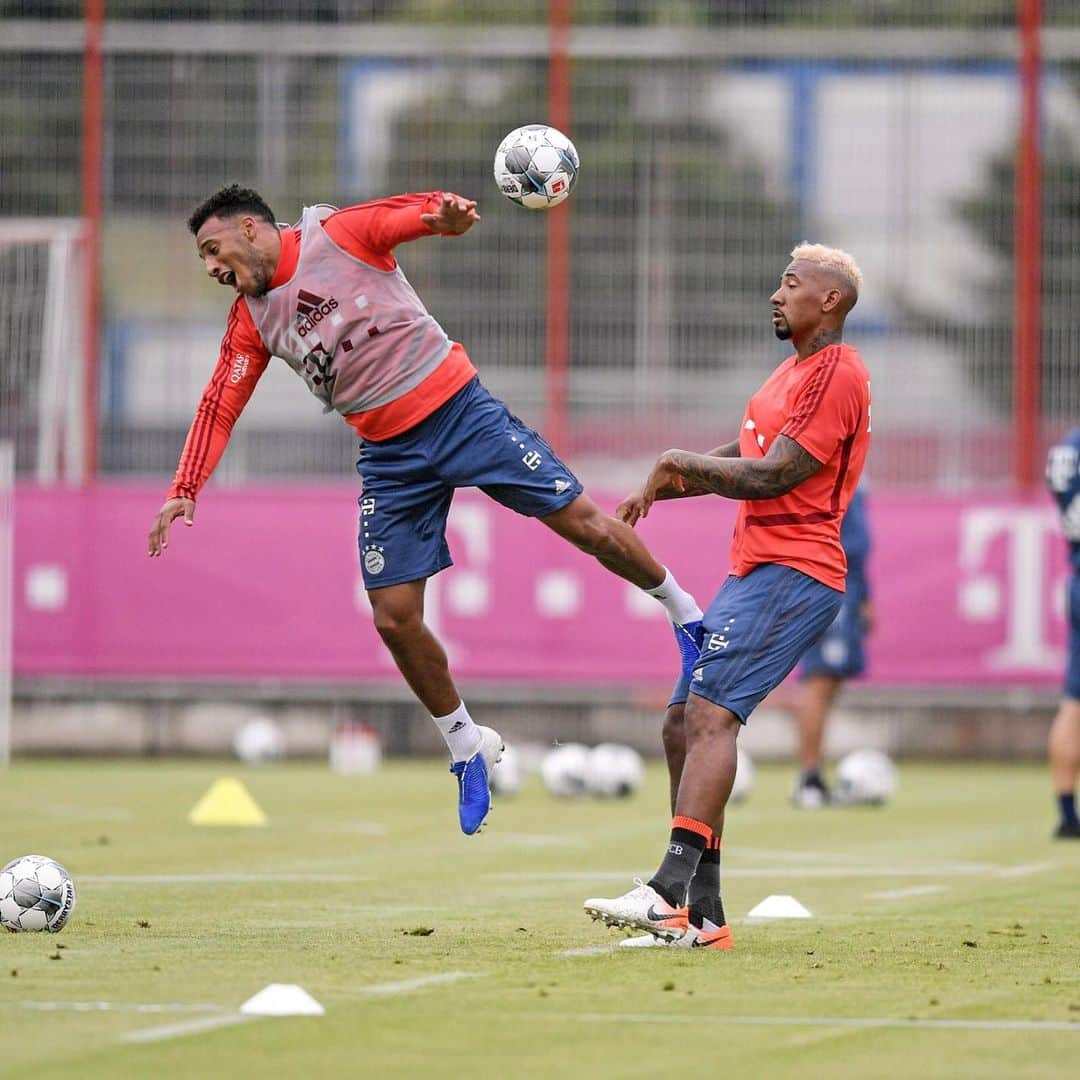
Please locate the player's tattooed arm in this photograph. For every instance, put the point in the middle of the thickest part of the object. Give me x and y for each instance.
(679, 474)
(730, 449)
(630, 509)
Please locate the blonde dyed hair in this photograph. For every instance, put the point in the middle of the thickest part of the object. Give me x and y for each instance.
(839, 262)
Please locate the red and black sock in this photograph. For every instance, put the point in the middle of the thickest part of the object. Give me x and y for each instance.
(704, 893)
(688, 840)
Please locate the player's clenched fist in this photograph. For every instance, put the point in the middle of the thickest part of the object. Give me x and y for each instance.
(159, 533)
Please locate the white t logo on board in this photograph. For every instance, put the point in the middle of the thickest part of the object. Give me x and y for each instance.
(1019, 599)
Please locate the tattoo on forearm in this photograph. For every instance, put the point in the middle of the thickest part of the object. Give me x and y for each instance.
(785, 466)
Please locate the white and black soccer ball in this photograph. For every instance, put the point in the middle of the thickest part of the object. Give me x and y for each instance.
(36, 893)
(536, 166)
(613, 771)
(259, 741)
(563, 770)
(865, 777)
(744, 777)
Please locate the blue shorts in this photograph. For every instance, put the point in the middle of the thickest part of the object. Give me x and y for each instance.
(839, 651)
(755, 631)
(1072, 671)
(471, 441)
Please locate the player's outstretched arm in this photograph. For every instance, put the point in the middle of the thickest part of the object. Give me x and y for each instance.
(679, 474)
(630, 509)
(453, 216)
(159, 531)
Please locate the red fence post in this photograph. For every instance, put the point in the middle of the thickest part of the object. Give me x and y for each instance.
(557, 328)
(93, 122)
(1027, 226)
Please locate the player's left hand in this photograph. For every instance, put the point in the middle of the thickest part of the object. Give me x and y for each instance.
(629, 510)
(454, 215)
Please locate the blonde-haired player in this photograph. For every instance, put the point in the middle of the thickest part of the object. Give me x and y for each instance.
(794, 468)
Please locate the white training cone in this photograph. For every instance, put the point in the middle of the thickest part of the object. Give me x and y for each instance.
(779, 907)
(282, 999)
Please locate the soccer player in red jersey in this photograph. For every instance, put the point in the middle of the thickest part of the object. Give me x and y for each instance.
(794, 469)
(328, 297)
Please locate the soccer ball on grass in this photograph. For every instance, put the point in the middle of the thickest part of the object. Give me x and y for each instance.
(563, 770)
(865, 777)
(36, 893)
(536, 166)
(613, 771)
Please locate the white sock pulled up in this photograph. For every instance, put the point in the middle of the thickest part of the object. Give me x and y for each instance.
(461, 734)
(681, 607)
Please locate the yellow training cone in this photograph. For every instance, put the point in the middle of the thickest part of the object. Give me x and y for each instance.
(227, 802)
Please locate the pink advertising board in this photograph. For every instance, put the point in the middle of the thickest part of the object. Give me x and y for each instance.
(968, 591)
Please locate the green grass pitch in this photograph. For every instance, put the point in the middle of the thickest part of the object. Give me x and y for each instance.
(945, 938)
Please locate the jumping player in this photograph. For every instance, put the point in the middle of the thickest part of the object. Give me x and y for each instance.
(795, 466)
(1063, 479)
(328, 297)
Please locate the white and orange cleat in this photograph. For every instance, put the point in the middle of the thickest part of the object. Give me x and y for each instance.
(694, 938)
(642, 908)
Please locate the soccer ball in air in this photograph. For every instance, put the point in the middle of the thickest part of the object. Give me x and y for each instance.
(744, 777)
(613, 771)
(36, 893)
(563, 770)
(536, 166)
(865, 777)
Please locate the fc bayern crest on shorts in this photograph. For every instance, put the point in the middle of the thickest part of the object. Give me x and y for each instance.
(374, 561)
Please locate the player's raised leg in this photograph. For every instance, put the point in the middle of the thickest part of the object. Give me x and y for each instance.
(615, 545)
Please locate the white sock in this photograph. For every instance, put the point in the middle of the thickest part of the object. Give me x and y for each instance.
(461, 734)
(678, 603)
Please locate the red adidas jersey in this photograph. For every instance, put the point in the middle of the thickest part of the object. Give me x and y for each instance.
(823, 403)
(369, 232)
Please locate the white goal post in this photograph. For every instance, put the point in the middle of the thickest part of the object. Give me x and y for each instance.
(42, 275)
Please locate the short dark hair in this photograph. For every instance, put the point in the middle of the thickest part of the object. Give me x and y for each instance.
(229, 202)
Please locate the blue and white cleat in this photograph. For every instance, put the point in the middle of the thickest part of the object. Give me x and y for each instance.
(474, 780)
(689, 637)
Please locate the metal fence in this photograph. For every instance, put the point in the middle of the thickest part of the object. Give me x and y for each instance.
(713, 137)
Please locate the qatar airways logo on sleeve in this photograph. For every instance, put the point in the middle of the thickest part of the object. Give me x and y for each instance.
(241, 363)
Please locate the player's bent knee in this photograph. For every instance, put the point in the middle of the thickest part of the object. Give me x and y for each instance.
(674, 730)
(396, 623)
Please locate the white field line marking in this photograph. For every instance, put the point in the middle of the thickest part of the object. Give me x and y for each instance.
(121, 1006)
(88, 813)
(186, 1027)
(903, 894)
(421, 982)
(364, 828)
(539, 840)
(591, 950)
(784, 855)
(210, 879)
(794, 872)
(844, 1021)
(1023, 871)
